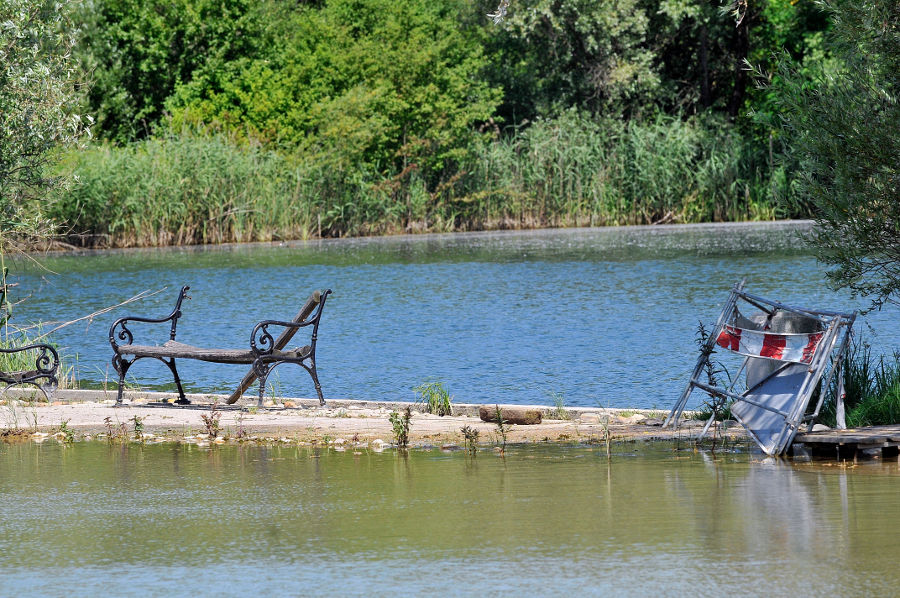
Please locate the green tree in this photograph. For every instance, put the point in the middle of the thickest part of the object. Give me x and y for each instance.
(845, 137)
(37, 115)
(583, 53)
(383, 83)
(134, 53)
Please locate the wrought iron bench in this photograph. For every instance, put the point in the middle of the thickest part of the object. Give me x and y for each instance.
(263, 354)
(46, 367)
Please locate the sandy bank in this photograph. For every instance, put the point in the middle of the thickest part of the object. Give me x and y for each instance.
(302, 420)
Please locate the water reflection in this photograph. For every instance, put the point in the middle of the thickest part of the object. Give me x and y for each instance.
(163, 519)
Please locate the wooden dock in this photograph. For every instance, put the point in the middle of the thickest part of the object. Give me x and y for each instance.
(853, 443)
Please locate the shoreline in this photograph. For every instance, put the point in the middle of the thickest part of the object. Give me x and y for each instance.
(88, 414)
(68, 249)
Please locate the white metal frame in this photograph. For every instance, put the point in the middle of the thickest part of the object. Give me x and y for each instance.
(831, 351)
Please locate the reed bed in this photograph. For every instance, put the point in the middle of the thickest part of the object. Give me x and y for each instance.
(570, 171)
(580, 171)
(871, 389)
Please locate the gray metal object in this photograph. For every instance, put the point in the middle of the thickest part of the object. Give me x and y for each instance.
(796, 348)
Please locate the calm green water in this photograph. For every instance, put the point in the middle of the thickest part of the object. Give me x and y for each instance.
(604, 317)
(93, 519)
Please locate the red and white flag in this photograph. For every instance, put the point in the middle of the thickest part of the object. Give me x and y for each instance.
(794, 347)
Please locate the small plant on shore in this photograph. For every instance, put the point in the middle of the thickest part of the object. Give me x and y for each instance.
(68, 435)
(241, 432)
(138, 426)
(559, 411)
(211, 420)
(471, 436)
(116, 431)
(400, 426)
(606, 437)
(502, 428)
(435, 398)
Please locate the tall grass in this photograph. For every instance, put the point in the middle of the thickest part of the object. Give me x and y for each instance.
(576, 170)
(571, 171)
(871, 389)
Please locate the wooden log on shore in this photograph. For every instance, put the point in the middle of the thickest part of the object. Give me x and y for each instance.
(511, 415)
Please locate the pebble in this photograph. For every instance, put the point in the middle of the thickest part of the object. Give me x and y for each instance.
(633, 419)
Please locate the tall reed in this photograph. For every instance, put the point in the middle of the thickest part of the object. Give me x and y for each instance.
(871, 389)
(574, 170)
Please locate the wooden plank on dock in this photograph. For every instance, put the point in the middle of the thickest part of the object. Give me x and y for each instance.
(859, 436)
(866, 442)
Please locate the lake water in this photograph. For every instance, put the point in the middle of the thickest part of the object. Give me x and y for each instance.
(603, 317)
(127, 520)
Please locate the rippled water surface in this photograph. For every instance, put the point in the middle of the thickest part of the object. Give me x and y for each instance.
(90, 519)
(602, 316)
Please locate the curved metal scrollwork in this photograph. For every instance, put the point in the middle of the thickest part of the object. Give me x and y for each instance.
(261, 341)
(47, 361)
(123, 334)
(46, 367)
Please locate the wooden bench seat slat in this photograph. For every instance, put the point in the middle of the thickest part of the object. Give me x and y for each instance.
(17, 377)
(183, 351)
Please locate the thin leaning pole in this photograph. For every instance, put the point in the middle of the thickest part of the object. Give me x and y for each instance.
(727, 310)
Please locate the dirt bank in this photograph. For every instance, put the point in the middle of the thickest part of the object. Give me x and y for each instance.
(92, 413)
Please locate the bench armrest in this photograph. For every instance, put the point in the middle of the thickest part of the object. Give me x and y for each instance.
(263, 343)
(119, 329)
(46, 365)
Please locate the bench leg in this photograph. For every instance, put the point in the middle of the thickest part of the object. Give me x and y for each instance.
(182, 400)
(315, 377)
(121, 366)
(262, 371)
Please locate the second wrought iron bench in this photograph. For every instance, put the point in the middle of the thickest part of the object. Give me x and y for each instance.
(46, 368)
(263, 353)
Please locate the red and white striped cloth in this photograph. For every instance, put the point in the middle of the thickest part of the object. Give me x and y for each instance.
(798, 348)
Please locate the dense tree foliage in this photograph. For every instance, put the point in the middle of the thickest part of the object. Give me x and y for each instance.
(416, 114)
(37, 96)
(844, 132)
(135, 52)
(378, 82)
(286, 73)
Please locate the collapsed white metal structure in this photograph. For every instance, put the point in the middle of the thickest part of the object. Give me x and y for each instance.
(787, 350)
